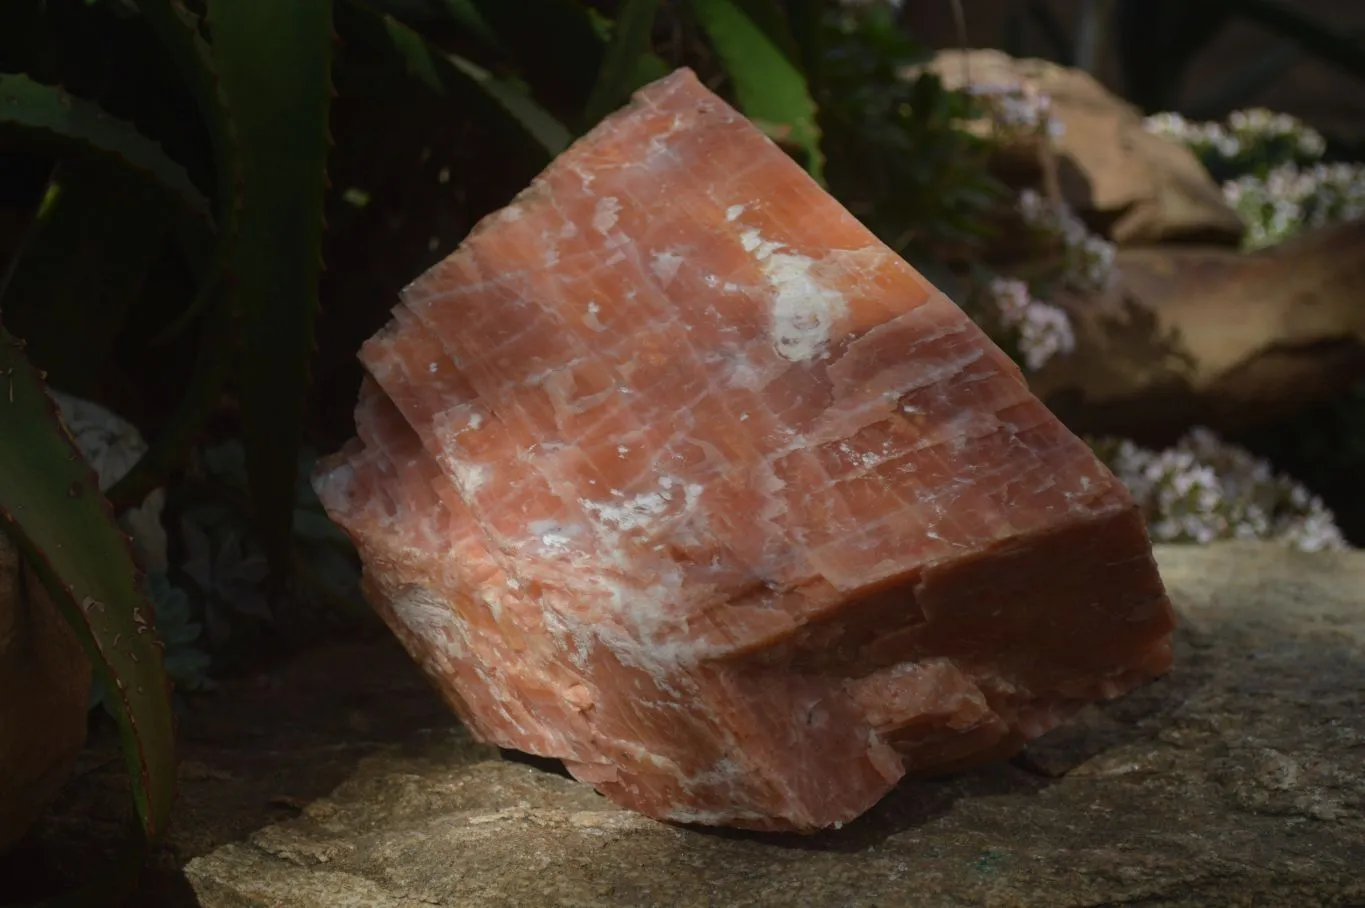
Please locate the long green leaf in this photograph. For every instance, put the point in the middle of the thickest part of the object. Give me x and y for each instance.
(51, 505)
(621, 66)
(768, 83)
(772, 18)
(553, 43)
(218, 297)
(178, 31)
(464, 12)
(274, 61)
(86, 261)
(99, 51)
(44, 115)
(450, 75)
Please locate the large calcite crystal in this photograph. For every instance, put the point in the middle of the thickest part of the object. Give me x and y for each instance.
(676, 473)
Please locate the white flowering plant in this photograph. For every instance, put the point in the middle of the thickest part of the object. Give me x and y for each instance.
(1252, 141)
(1087, 259)
(1272, 172)
(1033, 331)
(1017, 110)
(1063, 253)
(1290, 199)
(1204, 489)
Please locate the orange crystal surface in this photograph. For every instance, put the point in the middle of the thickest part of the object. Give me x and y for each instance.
(673, 471)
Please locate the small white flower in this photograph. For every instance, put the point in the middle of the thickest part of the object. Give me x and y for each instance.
(1089, 259)
(1044, 331)
(1246, 133)
(1018, 109)
(1290, 198)
(1203, 489)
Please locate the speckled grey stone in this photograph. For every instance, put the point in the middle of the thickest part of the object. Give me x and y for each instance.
(1237, 780)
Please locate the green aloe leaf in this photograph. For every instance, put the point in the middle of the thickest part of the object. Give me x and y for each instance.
(560, 54)
(217, 299)
(773, 18)
(274, 62)
(86, 260)
(464, 12)
(450, 75)
(51, 505)
(41, 115)
(622, 69)
(752, 41)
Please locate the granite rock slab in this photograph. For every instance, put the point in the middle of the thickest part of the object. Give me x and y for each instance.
(1239, 779)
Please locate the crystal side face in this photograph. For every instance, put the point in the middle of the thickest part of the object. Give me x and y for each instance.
(674, 472)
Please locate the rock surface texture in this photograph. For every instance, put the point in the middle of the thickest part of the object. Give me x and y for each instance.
(676, 473)
(1236, 780)
(1198, 335)
(1130, 185)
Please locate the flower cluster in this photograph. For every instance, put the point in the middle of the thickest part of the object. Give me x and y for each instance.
(1204, 489)
(1289, 198)
(1017, 109)
(1041, 330)
(1271, 172)
(1249, 138)
(1089, 259)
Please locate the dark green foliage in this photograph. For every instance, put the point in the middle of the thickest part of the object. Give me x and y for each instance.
(218, 554)
(42, 117)
(898, 155)
(183, 41)
(561, 54)
(186, 661)
(621, 71)
(51, 506)
(86, 260)
(758, 52)
(381, 42)
(274, 63)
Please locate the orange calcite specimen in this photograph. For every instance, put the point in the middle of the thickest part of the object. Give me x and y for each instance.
(676, 473)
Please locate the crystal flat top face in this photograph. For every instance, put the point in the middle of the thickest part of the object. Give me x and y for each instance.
(676, 357)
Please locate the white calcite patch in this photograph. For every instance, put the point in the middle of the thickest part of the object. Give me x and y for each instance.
(605, 214)
(591, 319)
(469, 478)
(804, 311)
(665, 266)
(554, 536)
(431, 619)
(631, 514)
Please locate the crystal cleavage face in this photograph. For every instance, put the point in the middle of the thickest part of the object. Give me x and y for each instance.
(675, 472)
